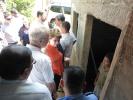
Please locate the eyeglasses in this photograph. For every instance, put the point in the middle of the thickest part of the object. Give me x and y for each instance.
(33, 61)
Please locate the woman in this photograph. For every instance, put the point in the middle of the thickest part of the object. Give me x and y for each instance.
(103, 71)
(55, 55)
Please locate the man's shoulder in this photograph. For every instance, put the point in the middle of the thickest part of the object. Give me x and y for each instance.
(65, 98)
(42, 57)
(26, 90)
(38, 54)
(91, 96)
(38, 88)
(24, 87)
(35, 88)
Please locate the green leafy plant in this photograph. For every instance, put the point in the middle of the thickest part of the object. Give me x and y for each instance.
(23, 6)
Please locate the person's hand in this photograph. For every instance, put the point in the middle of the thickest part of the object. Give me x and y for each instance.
(52, 87)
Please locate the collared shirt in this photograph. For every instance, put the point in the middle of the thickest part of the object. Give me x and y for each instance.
(42, 69)
(79, 97)
(66, 42)
(38, 23)
(22, 90)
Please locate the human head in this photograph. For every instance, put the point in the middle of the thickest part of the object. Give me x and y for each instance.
(14, 12)
(59, 19)
(15, 62)
(41, 16)
(54, 37)
(107, 61)
(65, 27)
(39, 36)
(73, 79)
(52, 23)
(7, 19)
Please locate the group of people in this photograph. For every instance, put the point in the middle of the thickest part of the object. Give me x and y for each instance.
(17, 63)
(10, 26)
(34, 69)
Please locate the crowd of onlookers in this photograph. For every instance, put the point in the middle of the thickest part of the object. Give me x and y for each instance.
(34, 59)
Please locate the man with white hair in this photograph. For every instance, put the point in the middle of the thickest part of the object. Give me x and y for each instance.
(42, 70)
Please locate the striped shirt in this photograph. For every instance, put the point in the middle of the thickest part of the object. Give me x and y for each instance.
(21, 90)
(42, 69)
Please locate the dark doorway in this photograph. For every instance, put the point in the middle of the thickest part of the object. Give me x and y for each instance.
(104, 39)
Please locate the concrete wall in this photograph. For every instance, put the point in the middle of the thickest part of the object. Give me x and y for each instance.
(118, 85)
(119, 82)
(81, 48)
(113, 12)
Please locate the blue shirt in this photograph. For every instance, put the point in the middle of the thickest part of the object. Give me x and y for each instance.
(79, 97)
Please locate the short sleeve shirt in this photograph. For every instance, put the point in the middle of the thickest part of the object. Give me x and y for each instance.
(42, 69)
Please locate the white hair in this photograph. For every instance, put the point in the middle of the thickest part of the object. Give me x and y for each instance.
(38, 35)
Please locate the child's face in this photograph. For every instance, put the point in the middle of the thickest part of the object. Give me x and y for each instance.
(106, 64)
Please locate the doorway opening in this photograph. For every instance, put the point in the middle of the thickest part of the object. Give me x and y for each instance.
(104, 39)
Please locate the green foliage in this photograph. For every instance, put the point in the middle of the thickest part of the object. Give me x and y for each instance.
(23, 6)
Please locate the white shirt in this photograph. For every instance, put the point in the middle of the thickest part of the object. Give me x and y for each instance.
(38, 23)
(12, 29)
(66, 42)
(42, 69)
(3, 42)
(21, 90)
(9, 33)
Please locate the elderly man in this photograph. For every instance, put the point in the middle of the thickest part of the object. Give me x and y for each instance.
(42, 70)
(16, 63)
(72, 83)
